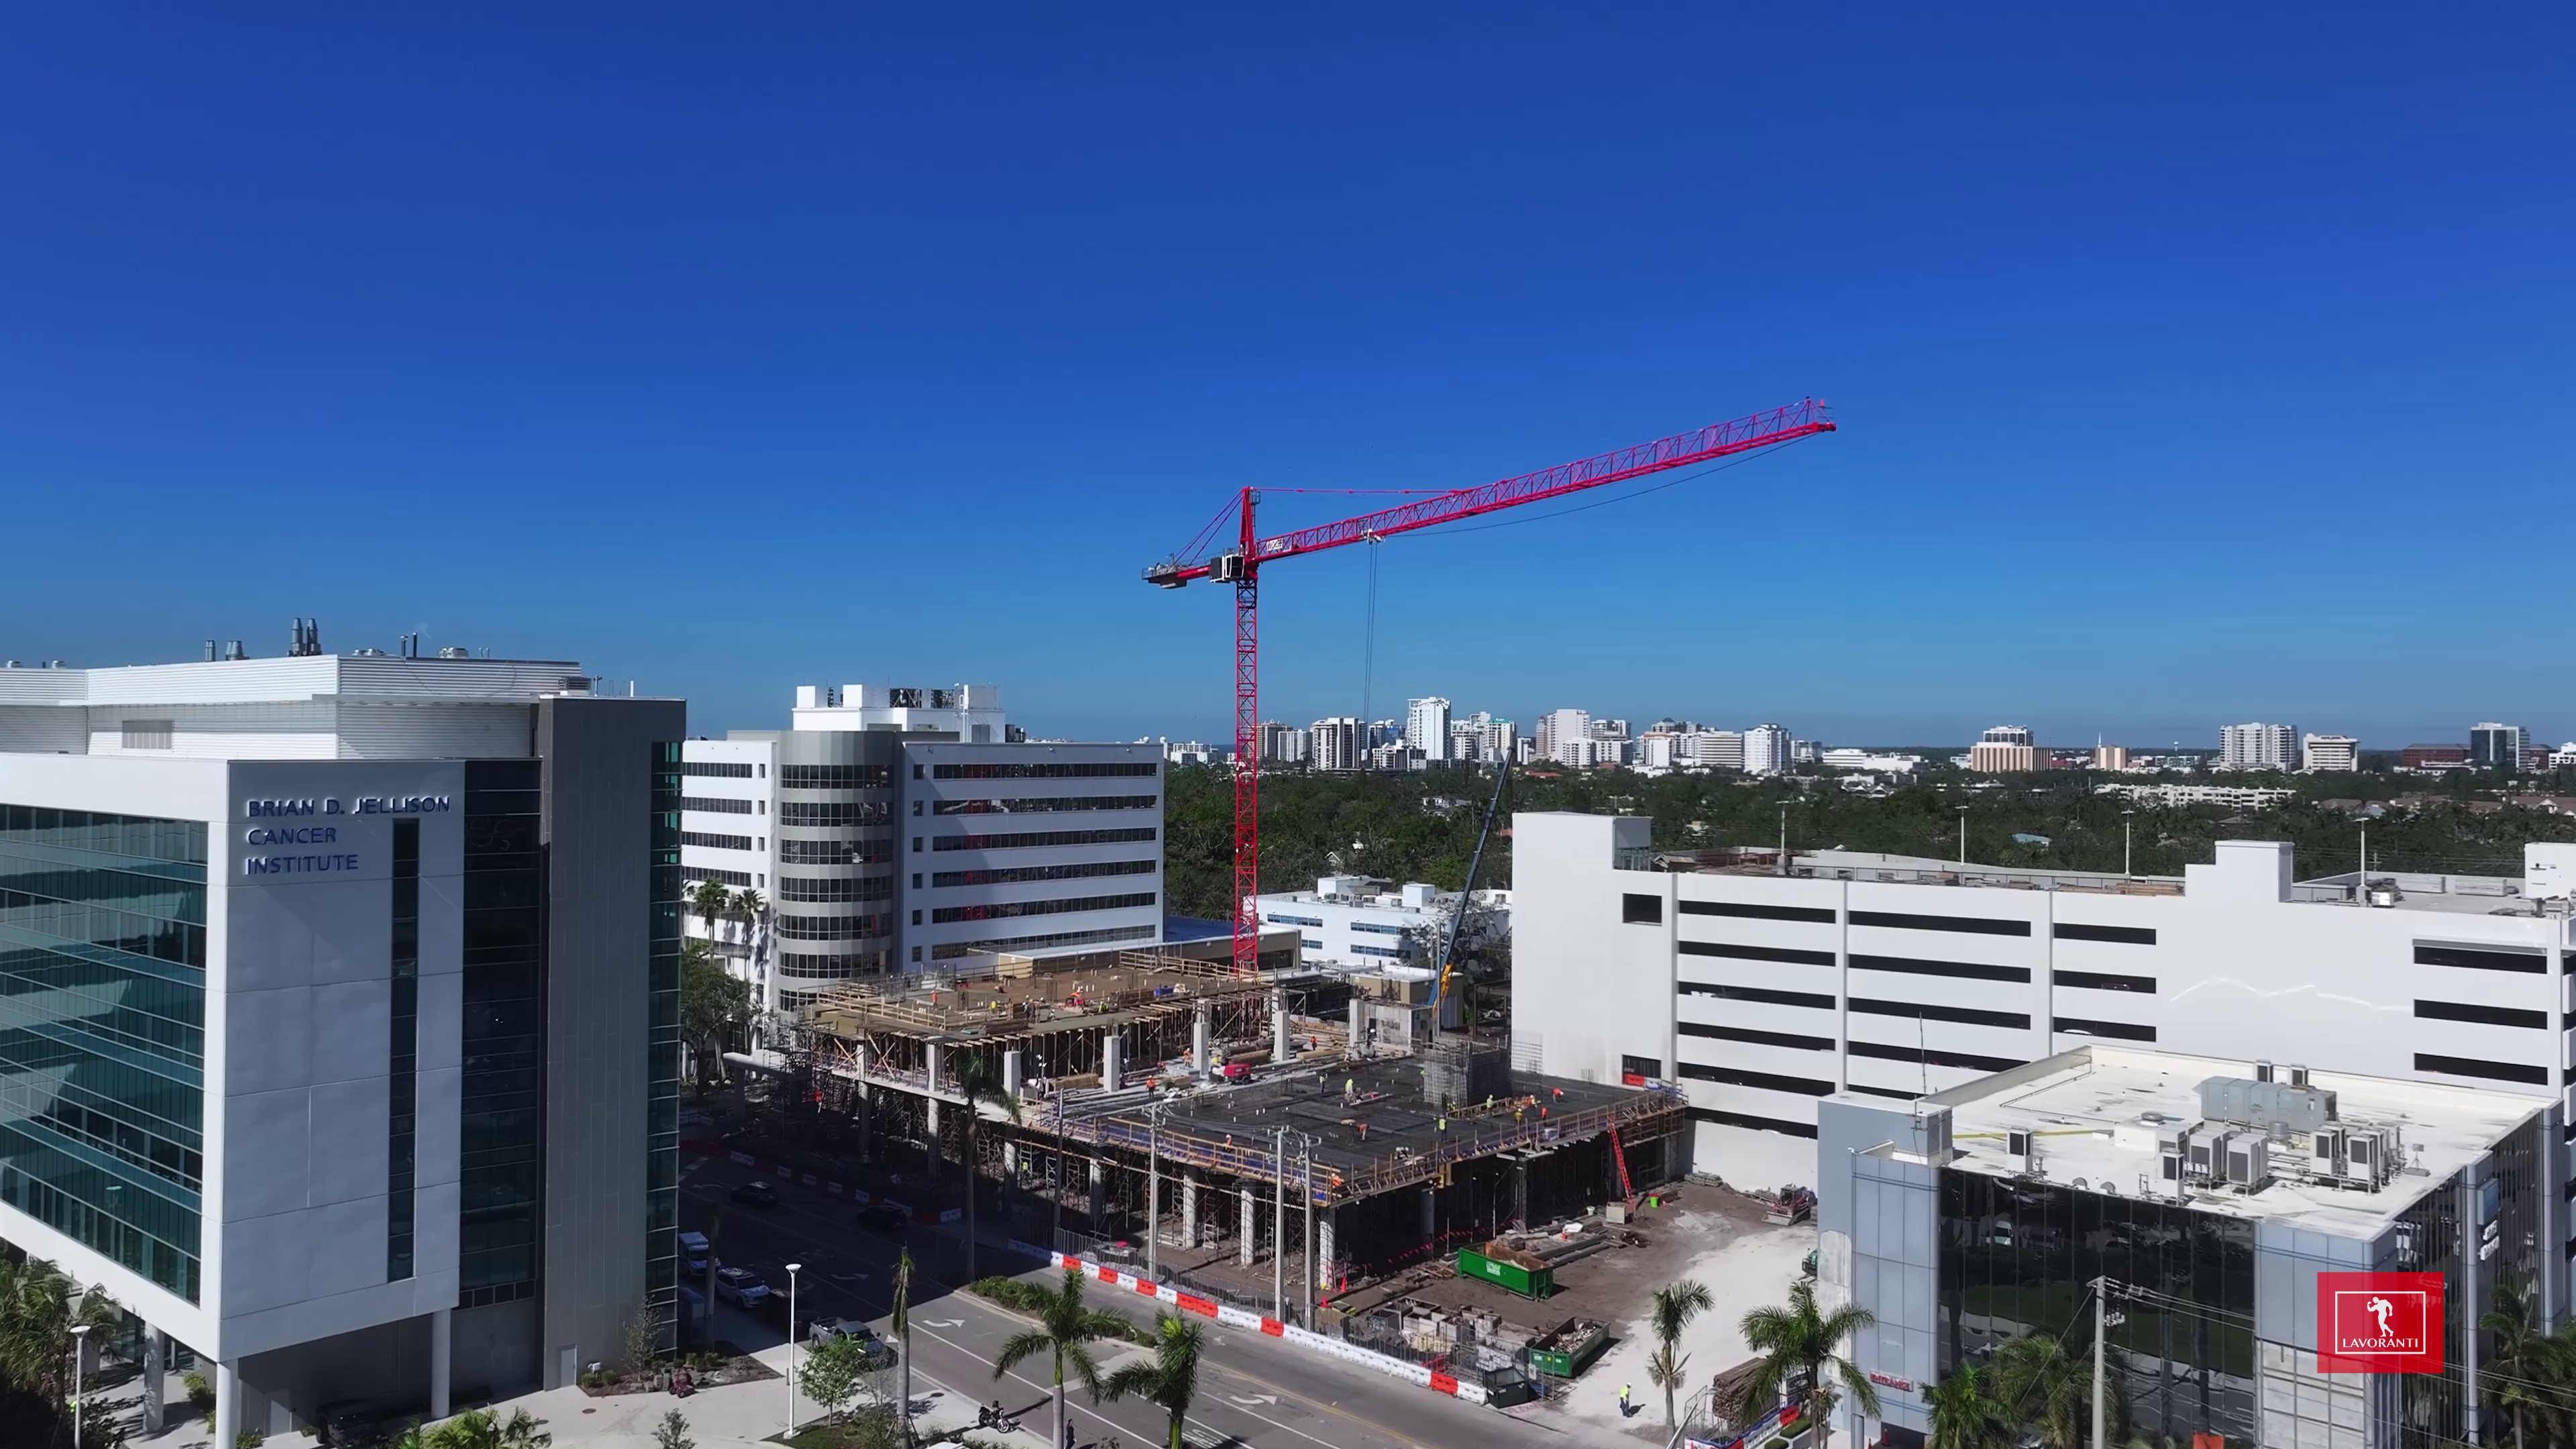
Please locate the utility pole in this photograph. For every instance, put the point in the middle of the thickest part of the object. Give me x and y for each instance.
(1963, 835)
(2101, 1326)
(1153, 1195)
(1784, 839)
(2361, 882)
(1306, 1295)
(2128, 858)
(1279, 1225)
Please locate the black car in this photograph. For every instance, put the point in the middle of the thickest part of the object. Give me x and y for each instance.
(756, 1194)
(883, 1217)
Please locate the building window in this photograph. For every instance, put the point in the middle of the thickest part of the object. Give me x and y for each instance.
(835, 852)
(715, 842)
(1396, 953)
(832, 928)
(1758, 913)
(2485, 1015)
(1975, 925)
(2472, 1067)
(1279, 920)
(2122, 1030)
(1761, 1081)
(715, 804)
(1790, 1039)
(2102, 981)
(736, 878)
(916, 880)
(1633, 1071)
(999, 770)
(832, 814)
(146, 734)
(833, 777)
(1969, 970)
(2505, 959)
(1757, 953)
(1130, 836)
(834, 888)
(1757, 993)
(2123, 935)
(1639, 909)
(1004, 910)
(1041, 804)
(1021, 874)
(957, 949)
(1965, 1061)
(717, 769)
(1925, 1011)
(1371, 928)
(501, 1091)
(105, 1008)
(403, 1073)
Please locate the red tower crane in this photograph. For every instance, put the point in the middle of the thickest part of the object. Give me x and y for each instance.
(1241, 566)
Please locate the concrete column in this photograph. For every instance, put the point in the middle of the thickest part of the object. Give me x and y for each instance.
(866, 1113)
(1279, 1048)
(1251, 1227)
(1430, 1212)
(1355, 1026)
(1099, 1194)
(1011, 1070)
(442, 1343)
(228, 1391)
(1190, 1209)
(156, 1354)
(930, 1106)
(1324, 1248)
(1011, 1162)
(1112, 1063)
(1199, 1063)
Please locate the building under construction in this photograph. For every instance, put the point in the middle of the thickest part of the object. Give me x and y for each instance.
(1159, 1095)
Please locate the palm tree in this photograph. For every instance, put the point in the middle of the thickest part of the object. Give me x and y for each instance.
(2037, 1381)
(39, 1306)
(1799, 1341)
(902, 1326)
(710, 899)
(1171, 1380)
(2520, 1374)
(747, 903)
(1067, 1327)
(1674, 1308)
(1966, 1414)
(975, 1081)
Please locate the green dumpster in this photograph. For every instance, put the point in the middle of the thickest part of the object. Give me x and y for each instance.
(1527, 1281)
(1569, 1350)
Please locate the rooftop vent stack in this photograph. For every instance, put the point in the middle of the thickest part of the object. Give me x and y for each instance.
(210, 651)
(2298, 1076)
(2262, 1071)
(454, 651)
(233, 649)
(2023, 1148)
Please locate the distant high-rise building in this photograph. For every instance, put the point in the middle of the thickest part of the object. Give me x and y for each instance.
(1558, 727)
(2495, 746)
(1498, 739)
(2434, 757)
(1766, 750)
(1283, 744)
(2257, 747)
(1335, 743)
(2329, 754)
(1717, 749)
(1426, 727)
(2006, 750)
(2111, 757)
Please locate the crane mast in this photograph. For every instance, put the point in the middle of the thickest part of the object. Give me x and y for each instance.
(1241, 566)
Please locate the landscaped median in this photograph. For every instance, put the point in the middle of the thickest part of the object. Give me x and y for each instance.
(1387, 1364)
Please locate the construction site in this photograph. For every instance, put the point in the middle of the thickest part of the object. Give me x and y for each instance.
(1127, 1101)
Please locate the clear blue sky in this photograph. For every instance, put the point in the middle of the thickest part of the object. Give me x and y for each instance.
(2192, 365)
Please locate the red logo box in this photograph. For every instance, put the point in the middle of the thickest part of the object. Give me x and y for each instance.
(2379, 1323)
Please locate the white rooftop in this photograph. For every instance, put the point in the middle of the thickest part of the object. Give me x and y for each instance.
(379, 677)
(2089, 1106)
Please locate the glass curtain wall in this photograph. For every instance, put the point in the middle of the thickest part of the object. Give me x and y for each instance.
(102, 1033)
(502, 1088)
(2017, 1256)
(662, 1128)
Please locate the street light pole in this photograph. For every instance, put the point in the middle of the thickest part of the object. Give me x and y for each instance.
(1153, 1196)
(791, 1348)
(80, 1340)
(1306, 1295)
(2127, 859)
(1963, 835)
(1279, 1225)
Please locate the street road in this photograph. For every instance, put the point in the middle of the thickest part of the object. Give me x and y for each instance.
(1253, 1391)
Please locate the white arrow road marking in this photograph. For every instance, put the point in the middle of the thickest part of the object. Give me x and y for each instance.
(1255, 1399)
(943, 1322)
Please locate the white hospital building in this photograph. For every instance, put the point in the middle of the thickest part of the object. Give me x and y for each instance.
(911, 830)
(1759, 992)
(299, 957)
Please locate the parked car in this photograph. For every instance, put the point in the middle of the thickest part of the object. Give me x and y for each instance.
(824, 1330)
(693, 1252)
(756, 1194)
(741, 1287)
(883, 1217)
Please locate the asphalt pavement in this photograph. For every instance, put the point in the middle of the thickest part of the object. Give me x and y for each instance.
(1254, 1391)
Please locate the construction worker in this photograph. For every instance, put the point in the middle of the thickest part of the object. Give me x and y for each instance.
(1625, 1408)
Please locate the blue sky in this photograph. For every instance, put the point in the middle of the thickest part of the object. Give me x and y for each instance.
(2192, 364)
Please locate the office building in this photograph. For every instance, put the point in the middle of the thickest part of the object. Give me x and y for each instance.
(1901, 977)
(2433, 759)
(2005, 750)
(1766, 750)
(2257, 747)
(1558, 727)
(1870, 762)
(2211, 1192)
(1716, 749)
(342, 1038)
(1426, 727)
(860, 835)
(1285, 744)
(1659, 752)
(1338, 743)
(968, 712)
(1360, 921)
(2111, 759)
(2495, 746)
(2226, 797)
(2329, 754)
